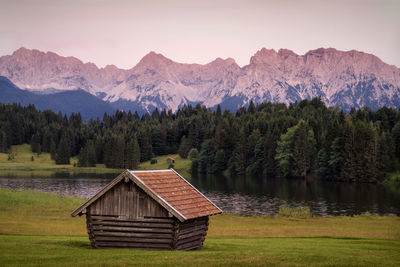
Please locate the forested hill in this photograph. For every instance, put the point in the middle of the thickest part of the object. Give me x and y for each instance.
(268, 140)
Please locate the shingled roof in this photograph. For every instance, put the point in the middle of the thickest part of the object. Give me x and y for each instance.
(169, 189)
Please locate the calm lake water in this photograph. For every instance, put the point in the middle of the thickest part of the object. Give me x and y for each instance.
(245, 196)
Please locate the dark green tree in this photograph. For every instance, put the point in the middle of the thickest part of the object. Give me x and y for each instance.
(184, 147)
(63, 151)
(220, 162)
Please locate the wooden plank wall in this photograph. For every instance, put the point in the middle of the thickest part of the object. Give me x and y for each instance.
(145, 233)
(190, 234)
(127, 201)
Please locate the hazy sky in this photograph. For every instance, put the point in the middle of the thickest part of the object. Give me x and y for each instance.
(121, 32)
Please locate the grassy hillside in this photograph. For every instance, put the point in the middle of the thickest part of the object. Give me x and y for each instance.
(22, 161)
(181, 165)
(36, 229)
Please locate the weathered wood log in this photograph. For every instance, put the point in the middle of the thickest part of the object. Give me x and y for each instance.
(190, 239)
(200, 219)
(133, 224)
(193, 229)
(124, 234)
(200, 232)
(190, 245)
(131, 229)
(116, 218)
(192, 224)
(133, 240)
(132, 245)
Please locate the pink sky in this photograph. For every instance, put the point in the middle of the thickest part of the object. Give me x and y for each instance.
(121, 32)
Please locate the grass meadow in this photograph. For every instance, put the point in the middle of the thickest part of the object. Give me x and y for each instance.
(36, 229)
(21, 164)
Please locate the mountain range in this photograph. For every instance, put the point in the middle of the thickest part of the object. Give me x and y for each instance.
(348, 79)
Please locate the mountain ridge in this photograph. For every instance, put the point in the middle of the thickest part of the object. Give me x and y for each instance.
(344, 78)
(67, 102)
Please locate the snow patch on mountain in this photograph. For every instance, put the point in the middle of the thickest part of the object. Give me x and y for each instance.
(347, 79)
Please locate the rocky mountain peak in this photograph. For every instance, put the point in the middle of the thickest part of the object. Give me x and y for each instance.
(223, 63)
(346, 78)
(22, 51)
(286, 53)
(264, 56)
(154, 59)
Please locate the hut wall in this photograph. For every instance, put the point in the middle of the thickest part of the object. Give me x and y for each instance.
(127, 201)
(127, 217)
(112, 232)
(190, 234)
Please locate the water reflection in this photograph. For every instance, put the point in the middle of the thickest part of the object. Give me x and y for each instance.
(244, 196)
(247, 196)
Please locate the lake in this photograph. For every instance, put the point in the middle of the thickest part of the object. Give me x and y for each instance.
(244, 196)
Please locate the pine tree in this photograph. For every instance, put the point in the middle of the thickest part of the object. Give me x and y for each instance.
(53, 149)
(219, 164)
(303, 149)
(146, 150)
(284, 152)
(83, 157)
(255, 169)
(239, 156)
(117, 152)
(348, 170)
(385, 154)
(193, 156)
(136, 153)
(35, 144)
(91, 154)
(323, 163)
(206, 156)
(270, 148)
(184, 147)
(396, 139)
(99, 149)
(195, 133)
(63, 151)
(3, 142)
(132, 153)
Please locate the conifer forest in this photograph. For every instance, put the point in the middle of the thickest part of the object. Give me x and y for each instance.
(266, 140)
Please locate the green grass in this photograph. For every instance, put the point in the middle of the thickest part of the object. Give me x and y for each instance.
(36, 229)
(297, 212)
(43, 166)
(393, 182)
(22, 160)
(181, 165)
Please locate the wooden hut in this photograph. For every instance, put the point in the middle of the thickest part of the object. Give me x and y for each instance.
(170, 160)
(148, 210)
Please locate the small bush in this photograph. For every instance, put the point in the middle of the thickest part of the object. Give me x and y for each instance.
(366, 214)
(171, 166)
(153, 161)
(297, 212)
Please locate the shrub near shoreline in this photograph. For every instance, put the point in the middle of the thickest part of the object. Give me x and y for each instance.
(296, 212)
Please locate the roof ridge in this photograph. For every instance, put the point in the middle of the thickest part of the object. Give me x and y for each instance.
(144, 171)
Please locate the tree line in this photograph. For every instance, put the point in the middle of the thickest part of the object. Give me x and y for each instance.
(266, 140)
